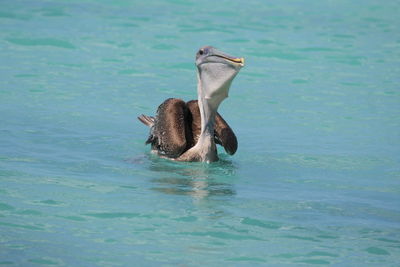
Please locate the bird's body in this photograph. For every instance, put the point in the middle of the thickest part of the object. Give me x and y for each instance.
(190, 131)
(177, 127)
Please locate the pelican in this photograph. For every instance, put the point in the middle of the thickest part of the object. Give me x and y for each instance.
(190, 131)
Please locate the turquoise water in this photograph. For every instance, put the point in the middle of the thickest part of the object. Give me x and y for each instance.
(316, 110)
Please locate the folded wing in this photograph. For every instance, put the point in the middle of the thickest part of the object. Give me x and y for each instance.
(223, 134)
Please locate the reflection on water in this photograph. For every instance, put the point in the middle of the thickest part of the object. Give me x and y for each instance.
(199, 180)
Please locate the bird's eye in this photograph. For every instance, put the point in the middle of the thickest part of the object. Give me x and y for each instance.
(201, 51)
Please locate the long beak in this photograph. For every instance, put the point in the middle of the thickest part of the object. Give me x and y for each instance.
(236, 60)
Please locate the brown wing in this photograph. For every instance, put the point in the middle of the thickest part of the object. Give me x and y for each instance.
(170, 129)
(194, 121)
(223, 133)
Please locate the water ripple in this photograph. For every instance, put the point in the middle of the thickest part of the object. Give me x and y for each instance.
(222, 235)
(113, 215)
(41, 42)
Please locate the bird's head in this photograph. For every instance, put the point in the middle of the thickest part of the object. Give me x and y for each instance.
(216, 70)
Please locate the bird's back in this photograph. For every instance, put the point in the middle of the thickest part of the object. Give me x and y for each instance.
(177, 126)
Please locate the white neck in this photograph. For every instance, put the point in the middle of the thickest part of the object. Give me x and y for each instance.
(208, 110)
(209, 100)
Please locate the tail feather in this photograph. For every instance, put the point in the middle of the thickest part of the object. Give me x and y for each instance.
(146, 120)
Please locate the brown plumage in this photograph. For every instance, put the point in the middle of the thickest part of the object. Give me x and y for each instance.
(177, 127)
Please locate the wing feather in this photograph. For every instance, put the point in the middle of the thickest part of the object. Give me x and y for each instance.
(223, 134)
(170, 128)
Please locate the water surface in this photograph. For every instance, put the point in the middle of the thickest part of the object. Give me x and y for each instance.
(315, 180)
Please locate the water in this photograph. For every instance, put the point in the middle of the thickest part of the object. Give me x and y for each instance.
(316, 111)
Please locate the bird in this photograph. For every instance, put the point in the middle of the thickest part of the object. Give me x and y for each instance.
(189, 131)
